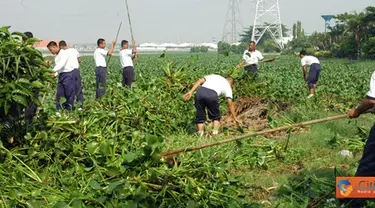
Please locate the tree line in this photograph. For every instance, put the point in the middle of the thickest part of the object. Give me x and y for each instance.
(353, 36)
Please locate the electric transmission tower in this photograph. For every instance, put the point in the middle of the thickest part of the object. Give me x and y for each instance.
(233, 24)
(267, 19)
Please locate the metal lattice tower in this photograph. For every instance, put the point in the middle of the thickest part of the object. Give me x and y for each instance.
(267, 19)
(233, 24)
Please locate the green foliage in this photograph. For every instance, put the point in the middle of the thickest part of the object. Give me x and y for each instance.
(199, 49)
(223, 48)
(226, 48)
(299, 42)
(320, 41)
(369, 48)
(108, 155)
(351, 33)
(23, 74)
(323, 54)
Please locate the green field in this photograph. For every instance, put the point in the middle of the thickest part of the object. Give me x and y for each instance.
(107, 155)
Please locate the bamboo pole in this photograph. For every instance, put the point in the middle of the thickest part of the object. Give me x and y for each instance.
(131, 27)
(332, 118)
(118, 31)
(130, 22)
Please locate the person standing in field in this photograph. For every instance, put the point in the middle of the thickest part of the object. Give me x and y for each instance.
(366, 167)
(207, 96)
(314, 71)
(77, 75)
(101, 66)
(66, 63)
(251, 58)
(126, 57)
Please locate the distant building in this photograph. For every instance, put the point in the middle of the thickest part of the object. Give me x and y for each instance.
(44, 43)
(173, 46)
(285, 40)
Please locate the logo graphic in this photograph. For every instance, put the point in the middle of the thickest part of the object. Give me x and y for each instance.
(345, 187)
(355, 187)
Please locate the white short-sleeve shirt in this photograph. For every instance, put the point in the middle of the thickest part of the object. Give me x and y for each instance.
(371, 92)
(252, 57)
(126, 58)
(99, 57)
(309, 60)
(219, 84)
(74, 53)
(65, 62)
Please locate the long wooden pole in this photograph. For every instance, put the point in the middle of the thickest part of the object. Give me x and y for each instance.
(131, 27)
(173, 152)
(130, 22)
(118, 32)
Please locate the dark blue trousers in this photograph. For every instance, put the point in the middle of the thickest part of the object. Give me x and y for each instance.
(65, 88)
(314, 74)
(78, 86)
(252, 68)
(206, 98)
(366, 167)
(101, 81)
(367, 164)
(128, 76)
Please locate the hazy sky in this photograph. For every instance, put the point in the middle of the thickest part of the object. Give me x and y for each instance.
(84, 21)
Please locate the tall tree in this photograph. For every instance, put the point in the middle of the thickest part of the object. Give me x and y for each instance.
(299, 29)
(354, 25)
(321, 41)
(294, 31)
(336, 32)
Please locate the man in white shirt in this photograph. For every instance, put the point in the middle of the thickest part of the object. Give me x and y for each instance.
(65, 64)
(251, 58)
(126, 58)
(207, 96)
(101, 65)
(366, 167)
(77, 76)
(314, 71)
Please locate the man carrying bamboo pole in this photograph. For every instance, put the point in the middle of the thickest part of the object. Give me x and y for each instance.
(126, 57)
(366, 167)
(207, 96)
(101, 66)
(251, 58)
